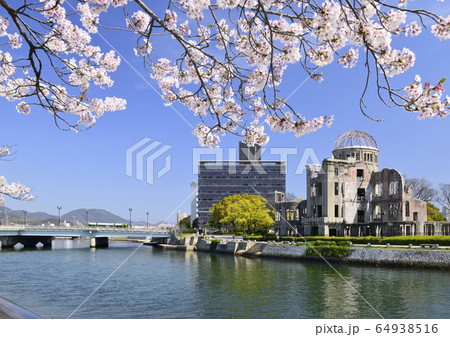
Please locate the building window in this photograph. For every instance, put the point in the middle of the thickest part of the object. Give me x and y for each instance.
(360, 216)
(319, 211)
(415, 216)
(361, 194)
(336, 171)
(378, 189)
(319, 189)
(393, 210)
(336, 188)
(407, 209)
(336, 211)
(290, 214)
(377, 212)
(277, 216)
(313, 211)
(393, 187)
(360, 174)
(313, 190)
(358, 155)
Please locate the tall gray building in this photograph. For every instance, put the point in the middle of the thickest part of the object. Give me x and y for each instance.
(250, 175)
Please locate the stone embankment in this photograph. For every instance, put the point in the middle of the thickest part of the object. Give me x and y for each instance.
(426, 258)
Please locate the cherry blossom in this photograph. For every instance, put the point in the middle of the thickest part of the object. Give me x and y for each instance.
(14, 190)
(232, 57)
(427, 99)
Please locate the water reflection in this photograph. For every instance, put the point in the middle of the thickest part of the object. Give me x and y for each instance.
(156, 283)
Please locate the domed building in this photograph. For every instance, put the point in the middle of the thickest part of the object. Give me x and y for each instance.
(357, 146)
(347, 195)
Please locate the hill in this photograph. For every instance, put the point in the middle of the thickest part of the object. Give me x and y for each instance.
(94, 215)
(30, 215)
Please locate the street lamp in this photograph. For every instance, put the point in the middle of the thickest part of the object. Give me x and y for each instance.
(87, 214)
(59, 215)
(25, 217)
(129, 225)
(147, 219)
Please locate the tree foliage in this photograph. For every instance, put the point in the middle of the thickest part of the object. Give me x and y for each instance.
(433, 213)
(246, 213)
(228, 62)
(444, 195)
(14, 190)
(423, 189)
(185, 223)
(290, 196)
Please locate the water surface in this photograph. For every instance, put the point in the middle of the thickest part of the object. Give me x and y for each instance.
(170, 284)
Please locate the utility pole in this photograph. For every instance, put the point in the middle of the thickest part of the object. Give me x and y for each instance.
(147, 219)
(25, 218)
(87, 218)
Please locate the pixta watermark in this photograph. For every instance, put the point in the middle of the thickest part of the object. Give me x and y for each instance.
(222, 158)
(142, 158)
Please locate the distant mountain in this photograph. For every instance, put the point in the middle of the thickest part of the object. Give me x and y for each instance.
(94, 215)
(30, 215)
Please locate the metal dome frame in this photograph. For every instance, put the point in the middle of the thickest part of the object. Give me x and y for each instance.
(355, 138)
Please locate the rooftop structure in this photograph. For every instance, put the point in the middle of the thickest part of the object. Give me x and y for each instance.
(355, 139)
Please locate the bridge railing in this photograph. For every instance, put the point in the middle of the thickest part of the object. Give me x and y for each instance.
(9, 310)
(86, 228)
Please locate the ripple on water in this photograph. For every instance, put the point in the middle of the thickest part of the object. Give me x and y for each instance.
(171, 284)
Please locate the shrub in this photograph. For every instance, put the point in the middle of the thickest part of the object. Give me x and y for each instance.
(417, 240)
(190, 230)
(253, 237)
(394, 240)
(233, 233)
(327, 250)
(269, 237)
(374, 240)
(214, 244)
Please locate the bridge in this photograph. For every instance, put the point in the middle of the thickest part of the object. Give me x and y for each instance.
(30, 236)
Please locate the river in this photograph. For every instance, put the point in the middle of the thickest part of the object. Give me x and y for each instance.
(154, 283)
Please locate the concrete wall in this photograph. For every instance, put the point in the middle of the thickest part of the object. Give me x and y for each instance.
(392, 257)
(400, 257)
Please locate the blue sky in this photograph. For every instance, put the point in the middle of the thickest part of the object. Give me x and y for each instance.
(87, 169)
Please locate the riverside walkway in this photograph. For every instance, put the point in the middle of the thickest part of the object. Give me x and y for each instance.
(30, 236)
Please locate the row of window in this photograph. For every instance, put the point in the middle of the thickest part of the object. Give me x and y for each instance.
(204, 169)
(316, 190)
(369, 157)
(393, 188)
(393, 211)
(243, 176)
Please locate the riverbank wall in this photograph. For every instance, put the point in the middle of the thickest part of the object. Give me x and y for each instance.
(426, 258)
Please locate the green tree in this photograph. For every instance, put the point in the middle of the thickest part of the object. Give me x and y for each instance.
(433, 213)
(185, 223)
(246, 213)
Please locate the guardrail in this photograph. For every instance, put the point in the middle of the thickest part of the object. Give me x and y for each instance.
(85, 228)
(9, 310)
